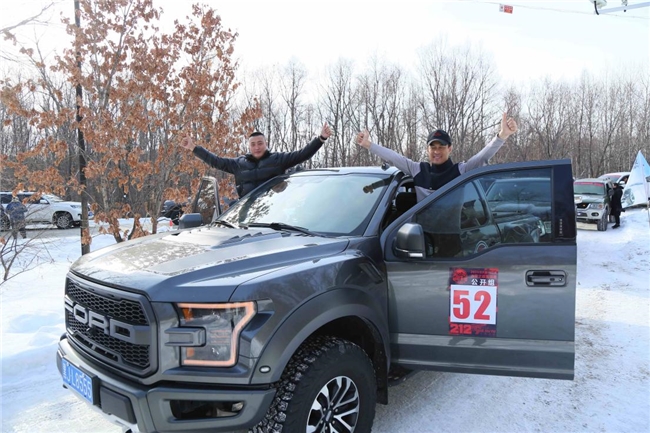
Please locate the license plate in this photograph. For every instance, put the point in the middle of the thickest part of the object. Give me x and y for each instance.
(79, 381)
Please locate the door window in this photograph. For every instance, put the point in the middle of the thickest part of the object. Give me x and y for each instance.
(520, 205)
(503, 208)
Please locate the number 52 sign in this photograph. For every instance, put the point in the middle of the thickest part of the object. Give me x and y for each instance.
(473, 304)
(473, 301)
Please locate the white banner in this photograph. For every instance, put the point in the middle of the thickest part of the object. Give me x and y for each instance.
(637, 188)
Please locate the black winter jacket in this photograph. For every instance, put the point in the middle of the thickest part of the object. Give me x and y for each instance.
(251, 172)
(616, 205)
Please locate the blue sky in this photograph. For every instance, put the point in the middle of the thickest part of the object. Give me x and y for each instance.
(557, 39)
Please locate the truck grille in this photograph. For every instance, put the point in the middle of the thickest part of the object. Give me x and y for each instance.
(96, 340)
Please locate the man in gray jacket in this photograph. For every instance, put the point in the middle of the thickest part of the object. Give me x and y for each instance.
(432, 175)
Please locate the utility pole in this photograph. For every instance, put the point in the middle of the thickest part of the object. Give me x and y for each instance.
(85, 234)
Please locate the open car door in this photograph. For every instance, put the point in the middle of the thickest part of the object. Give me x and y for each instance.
(205, 206)
(482, 274)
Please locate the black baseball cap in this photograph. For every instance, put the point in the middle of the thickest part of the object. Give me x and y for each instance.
(440, 136)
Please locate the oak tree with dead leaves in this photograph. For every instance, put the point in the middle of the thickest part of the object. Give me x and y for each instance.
(143, 89)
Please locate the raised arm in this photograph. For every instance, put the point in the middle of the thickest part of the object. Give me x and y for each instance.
(289, 159)
(403, 163)
(228, 165)
(508, 127)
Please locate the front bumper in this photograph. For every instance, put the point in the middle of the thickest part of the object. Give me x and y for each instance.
(148, 409)
(589, 215)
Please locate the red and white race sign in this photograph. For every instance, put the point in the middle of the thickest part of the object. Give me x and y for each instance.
(473, 304)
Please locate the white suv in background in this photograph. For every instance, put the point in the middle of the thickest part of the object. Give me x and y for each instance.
(620, 177)
(48, 209)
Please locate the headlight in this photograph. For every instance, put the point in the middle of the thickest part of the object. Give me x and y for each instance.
(596, 206)
(222, 324)
(75, 206)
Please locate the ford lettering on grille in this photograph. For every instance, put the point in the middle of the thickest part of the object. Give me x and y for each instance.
(133, 334)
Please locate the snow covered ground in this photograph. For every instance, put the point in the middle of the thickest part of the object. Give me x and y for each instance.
(610, 393)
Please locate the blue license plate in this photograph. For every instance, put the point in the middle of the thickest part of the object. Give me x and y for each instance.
(79, 381)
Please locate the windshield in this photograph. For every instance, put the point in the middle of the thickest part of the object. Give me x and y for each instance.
(592, 188)
(324, 203)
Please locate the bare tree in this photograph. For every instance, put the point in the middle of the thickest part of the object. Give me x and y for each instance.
(548, 113)
(337, 106)
(457, 94)
(40, 18)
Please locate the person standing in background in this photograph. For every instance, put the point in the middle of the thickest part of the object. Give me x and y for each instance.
(16, 211)
(616, 206)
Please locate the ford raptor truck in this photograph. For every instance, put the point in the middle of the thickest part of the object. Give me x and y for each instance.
(295, 308)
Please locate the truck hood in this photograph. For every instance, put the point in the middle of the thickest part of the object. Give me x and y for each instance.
(182, 266)
(588, 198)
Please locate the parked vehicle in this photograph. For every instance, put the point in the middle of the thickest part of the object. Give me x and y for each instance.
(293, 309)
(523, 196)
(172, 210)
(628, 198)
(48, 209)
(618, 177)
(592, 201)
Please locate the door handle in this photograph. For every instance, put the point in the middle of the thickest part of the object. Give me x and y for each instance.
(546, 278)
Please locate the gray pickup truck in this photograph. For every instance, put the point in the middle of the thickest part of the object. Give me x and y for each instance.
(294, 309)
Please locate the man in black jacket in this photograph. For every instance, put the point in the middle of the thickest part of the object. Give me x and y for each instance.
(260, 164)
(616, 206)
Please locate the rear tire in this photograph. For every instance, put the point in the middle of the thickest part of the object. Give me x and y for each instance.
(328, 385)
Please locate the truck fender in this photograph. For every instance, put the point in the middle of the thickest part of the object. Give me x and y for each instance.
(312, 315)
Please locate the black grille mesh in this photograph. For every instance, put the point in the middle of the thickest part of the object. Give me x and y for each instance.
(122, 309)
(95, 340)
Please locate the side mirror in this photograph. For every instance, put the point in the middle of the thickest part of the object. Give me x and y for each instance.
(190, 220)
(410, 241)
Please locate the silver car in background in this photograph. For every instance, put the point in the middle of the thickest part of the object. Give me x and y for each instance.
(592, 199)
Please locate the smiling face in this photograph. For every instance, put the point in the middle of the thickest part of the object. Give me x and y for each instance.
(257, 146)
(438, 153)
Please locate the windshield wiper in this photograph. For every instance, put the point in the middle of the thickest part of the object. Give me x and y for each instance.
(224, 223)
(282, 226)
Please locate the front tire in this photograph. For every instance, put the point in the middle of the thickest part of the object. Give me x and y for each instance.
(602, 223)
(63, 220)
(328, 385)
